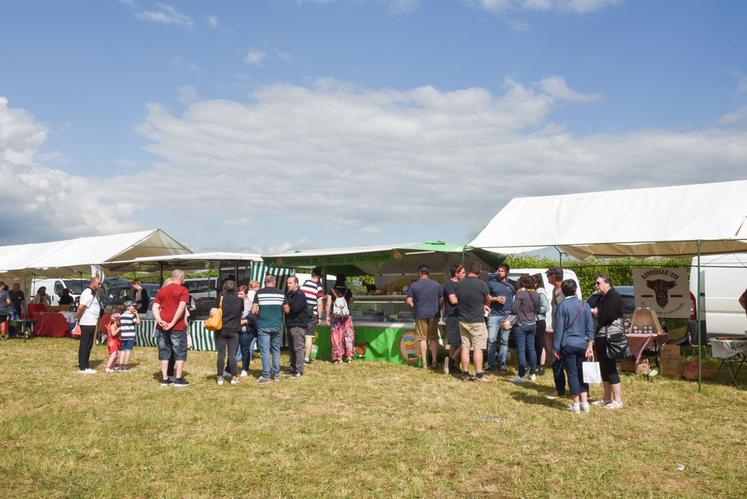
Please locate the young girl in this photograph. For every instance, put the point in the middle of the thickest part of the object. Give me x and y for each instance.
(113, 341)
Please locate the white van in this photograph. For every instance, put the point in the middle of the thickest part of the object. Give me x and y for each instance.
(55, 287)
(723, 280)
(567, 274)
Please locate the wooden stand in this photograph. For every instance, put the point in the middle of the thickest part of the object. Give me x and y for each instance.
(643, 317)
(671, 360)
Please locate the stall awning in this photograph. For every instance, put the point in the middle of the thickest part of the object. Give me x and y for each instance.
(662, 221)
(61, 258)
(192, 261)
(383, 259)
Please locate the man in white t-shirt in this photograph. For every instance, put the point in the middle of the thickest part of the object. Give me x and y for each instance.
(88, 317)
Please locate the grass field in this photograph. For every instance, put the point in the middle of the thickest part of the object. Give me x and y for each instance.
(366, 429)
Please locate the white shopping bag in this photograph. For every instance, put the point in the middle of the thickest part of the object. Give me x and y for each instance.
(592, 374)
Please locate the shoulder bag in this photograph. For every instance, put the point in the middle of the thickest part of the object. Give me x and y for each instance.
(617, 343)
(215, 321)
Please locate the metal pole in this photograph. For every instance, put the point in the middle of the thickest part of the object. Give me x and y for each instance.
(697, 319)
(160, 265)
(560, 256)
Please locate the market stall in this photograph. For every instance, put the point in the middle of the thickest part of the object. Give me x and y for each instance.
(384, 326)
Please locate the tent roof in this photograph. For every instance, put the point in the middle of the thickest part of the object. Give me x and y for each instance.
(60, 258)
(662, 221)
(189, 261)
(380, 259)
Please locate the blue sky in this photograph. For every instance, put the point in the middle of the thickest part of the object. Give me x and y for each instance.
(416, 109)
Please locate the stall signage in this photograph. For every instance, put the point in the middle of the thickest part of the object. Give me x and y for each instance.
(408, 347)
(663, 290)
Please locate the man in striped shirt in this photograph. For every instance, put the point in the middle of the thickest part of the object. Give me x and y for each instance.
(314, 293)
(269, 305)
(128, 320)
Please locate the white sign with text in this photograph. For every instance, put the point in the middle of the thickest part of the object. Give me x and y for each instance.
(664, 290)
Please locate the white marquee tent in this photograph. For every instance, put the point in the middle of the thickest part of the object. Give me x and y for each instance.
(62, 258)
(661, 221)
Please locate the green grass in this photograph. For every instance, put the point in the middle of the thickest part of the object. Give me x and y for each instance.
(366, 429)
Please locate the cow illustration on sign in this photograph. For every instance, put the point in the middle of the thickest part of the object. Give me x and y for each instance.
(661, 290)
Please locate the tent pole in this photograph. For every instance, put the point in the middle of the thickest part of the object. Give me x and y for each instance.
(560, 256)
(697, 319)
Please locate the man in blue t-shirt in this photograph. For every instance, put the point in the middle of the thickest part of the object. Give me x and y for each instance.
(269, 305)
(424, 298)
(502, 291)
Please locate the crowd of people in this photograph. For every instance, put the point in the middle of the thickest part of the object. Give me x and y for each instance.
(481, 319)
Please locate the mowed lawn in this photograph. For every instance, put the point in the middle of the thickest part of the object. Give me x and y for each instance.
(366, 429)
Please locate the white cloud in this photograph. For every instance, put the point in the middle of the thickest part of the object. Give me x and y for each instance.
(734, 117)
(258, 56)
(187, 94)
(577, 6)
(255, 57)
(387, 157)
(212, 21)
(166, 14)
(556, 87)
(47, 203)
(182, 63)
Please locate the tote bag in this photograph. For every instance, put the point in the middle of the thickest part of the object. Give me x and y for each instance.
(592, 374)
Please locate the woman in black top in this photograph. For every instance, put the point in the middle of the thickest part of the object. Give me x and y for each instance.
(341, 332)
(609, 314)
(227, 339)
(525, 306)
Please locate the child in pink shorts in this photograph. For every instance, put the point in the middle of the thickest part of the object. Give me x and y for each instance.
(113, 341)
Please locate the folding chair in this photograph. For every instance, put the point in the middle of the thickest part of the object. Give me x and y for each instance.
(733, 355)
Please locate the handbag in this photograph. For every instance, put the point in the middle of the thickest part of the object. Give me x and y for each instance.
(592, 373)
(617, 343)
(215, 321)
(509, 322)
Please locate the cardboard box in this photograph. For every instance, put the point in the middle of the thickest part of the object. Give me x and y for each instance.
(645, 317)
(629, 365)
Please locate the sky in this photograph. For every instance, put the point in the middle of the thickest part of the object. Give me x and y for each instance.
(271, 125)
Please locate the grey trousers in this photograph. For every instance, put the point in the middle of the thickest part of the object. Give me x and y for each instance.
(297, 344)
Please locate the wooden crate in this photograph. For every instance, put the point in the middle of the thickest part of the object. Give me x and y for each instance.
(645, 317)
(672, 367)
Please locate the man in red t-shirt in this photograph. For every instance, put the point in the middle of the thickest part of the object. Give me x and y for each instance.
(171, 329)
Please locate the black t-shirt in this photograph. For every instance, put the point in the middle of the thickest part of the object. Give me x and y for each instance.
(450, 289)
(66, 300)
(609, 307)
(471, 293)
(233, 307)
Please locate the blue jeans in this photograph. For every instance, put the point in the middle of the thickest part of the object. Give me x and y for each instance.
(573, 360)
(494, 331)
(558, 375)
(246, 345)
(269, 345)
(524, 345)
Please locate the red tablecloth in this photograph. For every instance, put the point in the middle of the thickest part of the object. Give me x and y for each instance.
(51, 325)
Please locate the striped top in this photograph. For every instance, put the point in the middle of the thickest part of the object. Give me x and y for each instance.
(313, 292)
(270, 301)
(127, 329)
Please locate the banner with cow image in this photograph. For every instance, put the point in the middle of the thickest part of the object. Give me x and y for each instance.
(664, 290)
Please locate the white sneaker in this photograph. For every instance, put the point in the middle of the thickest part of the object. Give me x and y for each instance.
(516, 379)
(574, 408)
(244, 374)
(614, 405)
(88, 371)
(601, 402)
(109, 370)
(532, 377)
(585, 407)
(234, 381)
(219, 380)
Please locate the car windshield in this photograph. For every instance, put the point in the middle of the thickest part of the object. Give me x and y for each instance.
(76, 286)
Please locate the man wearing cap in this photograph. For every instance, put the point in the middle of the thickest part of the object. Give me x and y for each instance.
(502, 290)
(555, 278)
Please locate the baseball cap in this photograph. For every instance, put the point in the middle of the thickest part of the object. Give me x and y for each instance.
(554, 271)
(128, 303)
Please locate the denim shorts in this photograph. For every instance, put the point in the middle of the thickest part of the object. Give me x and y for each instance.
(128, 344)
(172, 343)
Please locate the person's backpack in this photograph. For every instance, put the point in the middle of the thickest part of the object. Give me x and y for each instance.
(340, 307)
